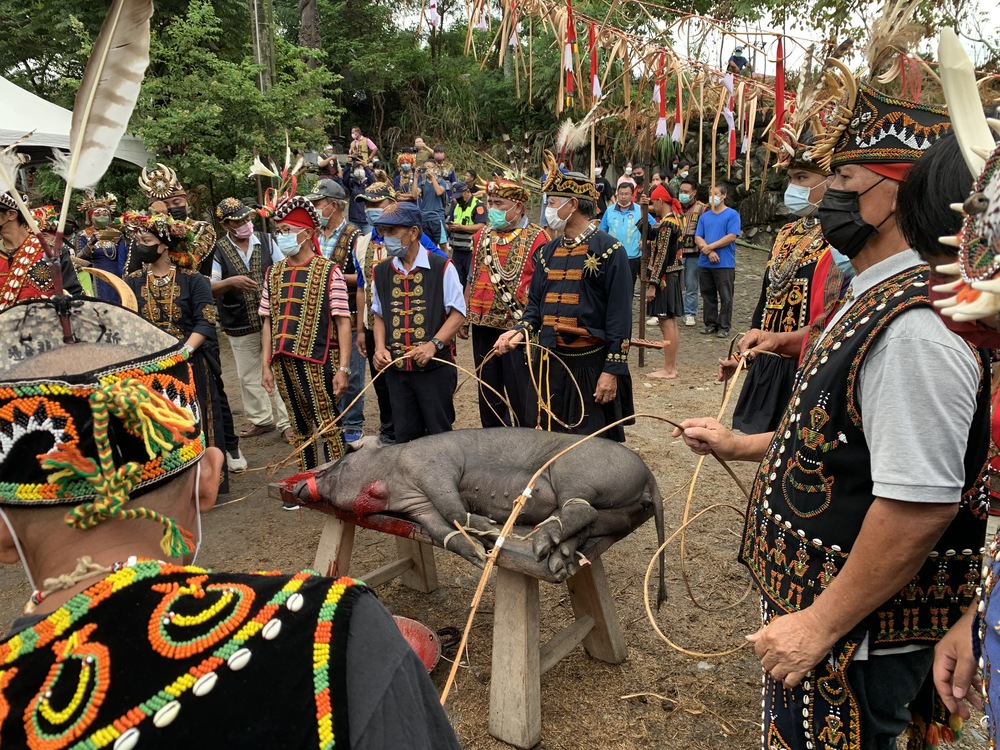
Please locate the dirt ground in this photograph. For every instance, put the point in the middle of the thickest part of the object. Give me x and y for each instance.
(659, 697)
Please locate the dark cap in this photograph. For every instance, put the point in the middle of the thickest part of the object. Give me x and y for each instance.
(403, 214)
(231, 209)
(459, 187)
(328, 189)
(376, 193)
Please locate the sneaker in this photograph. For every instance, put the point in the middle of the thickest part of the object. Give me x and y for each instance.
(707, 330)
(652, 321)
(290, 506)
(236, 462)
(351, 434)
(722, 334)
(689, 320)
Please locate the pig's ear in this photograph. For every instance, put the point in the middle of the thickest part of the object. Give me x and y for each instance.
(368, 442)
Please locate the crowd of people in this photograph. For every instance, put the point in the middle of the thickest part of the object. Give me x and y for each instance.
(862, 563)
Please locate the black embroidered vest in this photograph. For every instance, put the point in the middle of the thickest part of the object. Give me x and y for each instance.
(300, 309)
(238, 310)
(412, 308)
(814, 486)
(343, 256)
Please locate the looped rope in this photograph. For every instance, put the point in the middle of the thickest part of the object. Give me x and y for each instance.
(160, 423)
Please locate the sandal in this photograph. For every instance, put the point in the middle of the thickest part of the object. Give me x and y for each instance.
(253, 430)
(289, 435)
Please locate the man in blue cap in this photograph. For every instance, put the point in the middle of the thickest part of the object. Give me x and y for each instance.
(427, 305)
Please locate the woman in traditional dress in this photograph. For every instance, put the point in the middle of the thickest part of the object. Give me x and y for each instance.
(176, 298)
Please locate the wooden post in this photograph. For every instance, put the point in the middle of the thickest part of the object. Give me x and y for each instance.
(643, 266)
(423, 575)
(333, 555)
(515, 680)
(701, 125)
(590, 595)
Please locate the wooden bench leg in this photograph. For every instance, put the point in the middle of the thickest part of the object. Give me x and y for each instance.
(333, 556)
(590, 595)
(515, 682)
(423, 575)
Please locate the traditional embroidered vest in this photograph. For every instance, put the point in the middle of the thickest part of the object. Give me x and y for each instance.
(343, 256)
(790, 273)
(238, 310)
(299, 297)
(814, 486)
(412, 308)
(25, 274)
(501, 272)
(690, 227)
(662, 258)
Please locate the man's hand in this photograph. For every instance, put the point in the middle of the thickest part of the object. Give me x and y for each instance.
(267, 378)
(340, 381)
(507, 341)
(955, 667)
(607, 388)
(463, 332)
(644, 200)
(382, 358)
(706, 436)
(422, 354)
(243, 283)
(650, 292)
(791, 645)
(359, 344)
(713, 257)
(727, 368)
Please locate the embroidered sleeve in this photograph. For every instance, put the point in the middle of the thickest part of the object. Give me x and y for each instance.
(618, 326)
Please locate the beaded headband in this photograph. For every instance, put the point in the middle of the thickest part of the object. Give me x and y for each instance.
(95, 439)
(569, 185)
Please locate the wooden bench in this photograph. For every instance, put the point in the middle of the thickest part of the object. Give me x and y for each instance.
(519, 660)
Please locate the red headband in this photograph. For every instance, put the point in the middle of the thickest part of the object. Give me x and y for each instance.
(897, 171)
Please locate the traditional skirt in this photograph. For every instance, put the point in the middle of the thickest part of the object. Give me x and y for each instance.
(765, 394)
(669, 299)
(585, 367)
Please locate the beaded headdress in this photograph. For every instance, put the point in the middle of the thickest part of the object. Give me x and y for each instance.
(92, 203)
(508, 189)
(177, 235)
(8, 203)
(94, 438)
(297, 210)
(46, 217)
(568, 185)
(232, 209)
(161, 183)
(405, 157)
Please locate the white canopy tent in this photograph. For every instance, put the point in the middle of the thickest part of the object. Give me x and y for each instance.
(21, 112)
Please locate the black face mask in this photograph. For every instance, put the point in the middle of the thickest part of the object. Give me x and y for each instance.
(178, 213)
(640, 179)
(841, 222)
(147, 253)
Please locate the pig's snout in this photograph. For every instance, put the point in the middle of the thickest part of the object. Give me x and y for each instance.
(306, 490)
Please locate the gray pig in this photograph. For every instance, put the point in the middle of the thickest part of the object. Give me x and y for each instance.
(473, 476)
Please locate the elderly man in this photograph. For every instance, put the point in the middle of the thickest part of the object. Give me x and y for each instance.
(865, 528)
(579, 306)
(243, 258)
(621, 222)
(496, 295)
(24, 272)
(418, 307)
(125, 643)
(338, 241)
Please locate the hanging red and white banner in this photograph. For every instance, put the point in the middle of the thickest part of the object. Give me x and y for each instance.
(569, 53)
(727, 112)
(513, 25)
(779, 92)
(595, 82)
(661, 93)
(433, 18)
(677, 136)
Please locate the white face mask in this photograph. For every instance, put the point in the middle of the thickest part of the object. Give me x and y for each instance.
(553, 220)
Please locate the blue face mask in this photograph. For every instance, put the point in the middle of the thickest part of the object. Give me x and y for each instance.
(373, 214)
(842, 261)
(288, 244)
(405, 167)
(797, 200)
(394, 246)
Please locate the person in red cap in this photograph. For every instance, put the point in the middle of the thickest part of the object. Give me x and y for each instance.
(664, 300)
(306, 338)
(866, 520)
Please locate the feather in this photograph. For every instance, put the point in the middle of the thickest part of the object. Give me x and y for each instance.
(892, 34)
(10, 163)
(108, 93)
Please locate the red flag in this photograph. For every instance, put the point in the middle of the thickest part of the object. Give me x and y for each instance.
(779, 91)
(661, 88)
(569, 52)
(595, 83)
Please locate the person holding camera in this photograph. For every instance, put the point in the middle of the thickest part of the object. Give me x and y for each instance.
(356, 182)
(432, 193)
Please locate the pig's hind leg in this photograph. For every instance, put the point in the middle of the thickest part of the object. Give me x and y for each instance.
(570, 518)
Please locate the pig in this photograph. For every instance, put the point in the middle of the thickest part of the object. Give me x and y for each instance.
(473, 477)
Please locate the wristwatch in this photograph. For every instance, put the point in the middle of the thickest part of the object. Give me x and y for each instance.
(438, 343)
(344, 369)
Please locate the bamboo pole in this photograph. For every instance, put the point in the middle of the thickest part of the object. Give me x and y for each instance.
(715, 135)
(701, 126)
(531, 57)
(750, 127)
